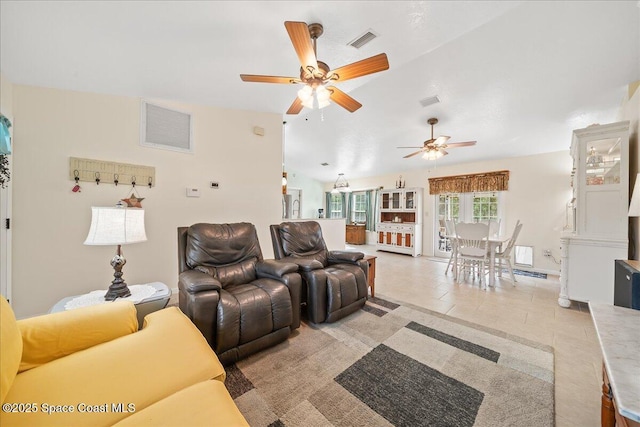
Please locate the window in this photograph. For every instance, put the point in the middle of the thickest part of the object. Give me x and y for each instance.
(359, 203)
(485, 206)
(335, 206)
(449, 206)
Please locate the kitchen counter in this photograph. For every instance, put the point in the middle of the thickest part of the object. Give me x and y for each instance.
(618, 331)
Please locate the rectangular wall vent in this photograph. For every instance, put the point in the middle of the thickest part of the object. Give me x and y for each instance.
(165, 128)
(363, 39)
(429, 101)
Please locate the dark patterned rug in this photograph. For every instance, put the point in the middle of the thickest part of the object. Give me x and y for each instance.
(391, 364)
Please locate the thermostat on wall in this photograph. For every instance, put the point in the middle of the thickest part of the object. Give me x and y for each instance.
(193, 192)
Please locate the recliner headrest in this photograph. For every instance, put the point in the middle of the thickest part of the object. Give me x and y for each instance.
(217, 245)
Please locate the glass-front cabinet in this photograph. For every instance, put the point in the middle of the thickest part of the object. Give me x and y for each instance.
(409, 200)
(597, 214)
(399, 221)
(601, 185)
(392, 200)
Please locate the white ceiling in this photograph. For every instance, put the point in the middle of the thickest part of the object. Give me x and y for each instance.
(517, 77)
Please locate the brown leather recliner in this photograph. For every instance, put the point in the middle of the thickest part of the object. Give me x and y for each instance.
(240, 302)
(336, 281)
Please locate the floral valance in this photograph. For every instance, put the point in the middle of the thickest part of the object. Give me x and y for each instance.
(471, 183)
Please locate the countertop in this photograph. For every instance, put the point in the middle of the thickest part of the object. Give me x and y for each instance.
(618, 331)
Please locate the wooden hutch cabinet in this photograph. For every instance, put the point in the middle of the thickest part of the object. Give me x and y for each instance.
(399, 222)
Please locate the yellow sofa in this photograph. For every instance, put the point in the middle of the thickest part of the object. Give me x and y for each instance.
(92, 367)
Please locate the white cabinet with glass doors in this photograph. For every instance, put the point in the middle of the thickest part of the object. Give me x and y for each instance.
(399, 224)
(597, 216)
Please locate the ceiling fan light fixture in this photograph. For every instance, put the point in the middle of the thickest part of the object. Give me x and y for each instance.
(432, 155)
(306, 93)
(323, 96)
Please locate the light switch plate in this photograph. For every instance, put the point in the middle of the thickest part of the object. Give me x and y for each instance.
(193, 192)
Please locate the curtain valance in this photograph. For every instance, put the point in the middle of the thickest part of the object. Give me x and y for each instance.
(470, 183)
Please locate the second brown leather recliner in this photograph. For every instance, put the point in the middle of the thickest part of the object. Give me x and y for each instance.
(240, 302)
(335, 282)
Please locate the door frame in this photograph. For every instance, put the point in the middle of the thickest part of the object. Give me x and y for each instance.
(5, 239)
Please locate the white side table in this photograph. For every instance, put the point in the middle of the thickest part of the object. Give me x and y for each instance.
(149, 304)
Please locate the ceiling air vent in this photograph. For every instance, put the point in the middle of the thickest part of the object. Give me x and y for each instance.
(429, 101)
(363, 39)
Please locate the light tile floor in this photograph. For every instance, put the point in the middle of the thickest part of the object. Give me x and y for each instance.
(529, 309)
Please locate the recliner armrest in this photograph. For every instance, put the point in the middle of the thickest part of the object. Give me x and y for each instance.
(194, 281)
(336, 257)
(304, 264)
(275, 268)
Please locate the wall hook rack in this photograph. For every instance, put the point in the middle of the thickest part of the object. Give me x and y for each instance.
(100, 171)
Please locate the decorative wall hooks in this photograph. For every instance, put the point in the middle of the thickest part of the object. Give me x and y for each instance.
(99, 172)
(76, 178)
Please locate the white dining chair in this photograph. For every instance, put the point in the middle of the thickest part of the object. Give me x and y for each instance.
(505, 254)
(450, 231)
(494, 226)
(472, 249)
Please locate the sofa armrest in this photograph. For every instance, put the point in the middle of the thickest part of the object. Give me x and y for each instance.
(351, 257)
(304, 264)
(52, 336)
(275, 269)
(193, 281)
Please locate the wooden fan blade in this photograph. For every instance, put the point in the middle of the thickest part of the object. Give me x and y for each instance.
(269, 79)
(413, 154)
(361, 68)
(343, 100)
(444, 153)
(296, 107)
(441, 140)
(461, 144)
(301, 39)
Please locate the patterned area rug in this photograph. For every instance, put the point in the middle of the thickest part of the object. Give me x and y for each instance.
(391, 364)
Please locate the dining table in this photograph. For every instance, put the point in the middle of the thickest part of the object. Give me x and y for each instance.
(495, 245)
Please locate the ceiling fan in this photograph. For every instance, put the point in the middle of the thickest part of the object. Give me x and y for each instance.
(316, 75)
(435, 148)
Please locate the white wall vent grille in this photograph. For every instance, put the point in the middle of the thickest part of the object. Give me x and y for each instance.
(363, 39)
(161, 127)
(429, 101)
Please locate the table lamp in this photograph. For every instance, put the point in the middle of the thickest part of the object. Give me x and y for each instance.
(116, 226)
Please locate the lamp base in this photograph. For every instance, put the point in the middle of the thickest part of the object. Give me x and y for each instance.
(118, 288)
(117, 291)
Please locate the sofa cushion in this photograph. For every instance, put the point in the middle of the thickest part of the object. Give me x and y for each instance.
(167, 355)
(11, 348)
(52, 336)
(207, 403)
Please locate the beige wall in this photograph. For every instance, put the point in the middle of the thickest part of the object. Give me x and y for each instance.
(6, 97)
(51, 222)
(539, 189)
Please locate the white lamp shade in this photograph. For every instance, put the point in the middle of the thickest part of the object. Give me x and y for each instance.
(116, 226)
(634, 206)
